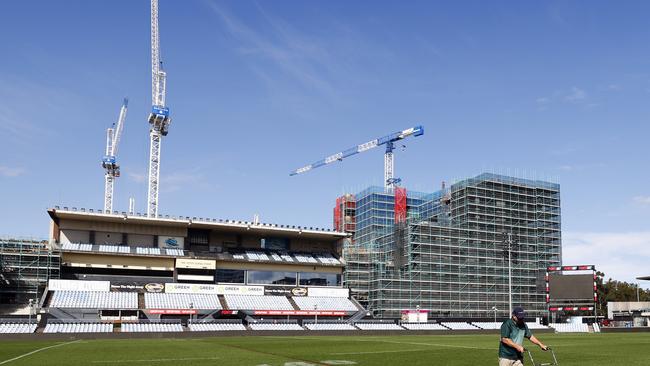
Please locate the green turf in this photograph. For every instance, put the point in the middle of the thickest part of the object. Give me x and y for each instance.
(572, 350)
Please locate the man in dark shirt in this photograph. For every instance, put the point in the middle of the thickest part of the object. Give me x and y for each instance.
(513, 331)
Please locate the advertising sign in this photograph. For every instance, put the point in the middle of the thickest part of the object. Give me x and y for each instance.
(328, 292)
(300, 312)
(195, 263)
(195, 288)
(172, 311)
(285, 291)
(171, 242)
(75, 285)
(136, 287)
(240, 290)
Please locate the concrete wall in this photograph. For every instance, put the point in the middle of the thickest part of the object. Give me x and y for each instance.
(74, 236)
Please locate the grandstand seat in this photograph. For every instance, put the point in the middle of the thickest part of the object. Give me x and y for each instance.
(181, 301)
(78, 328)
(216, 327)
(94, 300)
(305, 258)
(570, 327)
(175, 252)
(423, 326)
(534, 325)
(329, 326)
(327, 259)
(151, 327)
(252, 302)
(460, 326)
(377, 326)
(275, 326)
(16, 328)
(489, 325)
(324, 303)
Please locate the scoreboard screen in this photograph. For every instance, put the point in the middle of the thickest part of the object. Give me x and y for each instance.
(571, 287)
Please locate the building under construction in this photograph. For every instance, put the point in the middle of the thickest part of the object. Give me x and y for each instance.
(444, 252)
(25, 267)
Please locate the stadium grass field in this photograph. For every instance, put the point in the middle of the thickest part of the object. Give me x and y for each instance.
(571, 350)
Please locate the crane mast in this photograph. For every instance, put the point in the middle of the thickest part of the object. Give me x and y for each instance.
(109, 162)
(389, 164)
(159, 119)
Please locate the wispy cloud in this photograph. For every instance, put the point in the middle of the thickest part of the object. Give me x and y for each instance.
(644, 200)
(183, 180)
(137, 177)
(301, 58)
(11, 172)
(581, 167)
(575, 95)
(620, 255)
(20, 122)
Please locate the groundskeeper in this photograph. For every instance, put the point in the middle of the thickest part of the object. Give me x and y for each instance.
(513, 331)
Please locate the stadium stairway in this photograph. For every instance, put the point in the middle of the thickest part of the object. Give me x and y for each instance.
(222, 301)
(360, 314)
(293, 303)
(141, 304)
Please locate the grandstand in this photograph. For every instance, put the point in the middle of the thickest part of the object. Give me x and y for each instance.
(119, 273)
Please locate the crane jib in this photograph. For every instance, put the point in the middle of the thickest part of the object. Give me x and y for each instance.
(386, 140)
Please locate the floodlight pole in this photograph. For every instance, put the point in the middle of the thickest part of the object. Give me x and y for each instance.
(509, 244)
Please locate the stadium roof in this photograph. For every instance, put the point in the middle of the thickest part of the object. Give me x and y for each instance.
(234, 226)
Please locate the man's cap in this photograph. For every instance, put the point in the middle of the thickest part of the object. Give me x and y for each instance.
(519, 312)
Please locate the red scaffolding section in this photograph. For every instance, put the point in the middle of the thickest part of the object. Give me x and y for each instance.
(400, 204)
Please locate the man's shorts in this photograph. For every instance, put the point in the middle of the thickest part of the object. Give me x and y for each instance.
(507, 362)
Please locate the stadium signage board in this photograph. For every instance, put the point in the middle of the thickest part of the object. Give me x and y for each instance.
(195, 263)
(172, 311)
(300, 312)
(137, 287)
(195, 288)
(171, 242)
(328, 292)
(76, 285)
(285, 291)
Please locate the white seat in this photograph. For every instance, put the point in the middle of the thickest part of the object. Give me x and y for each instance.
(252, 302)
(324, 303)
(378, 326)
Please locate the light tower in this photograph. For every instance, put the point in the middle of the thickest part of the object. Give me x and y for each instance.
(159, 119)
(109, 162)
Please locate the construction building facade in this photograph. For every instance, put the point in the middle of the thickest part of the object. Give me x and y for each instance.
(444, 252)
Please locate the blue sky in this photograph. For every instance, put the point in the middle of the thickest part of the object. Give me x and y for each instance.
(552, 89)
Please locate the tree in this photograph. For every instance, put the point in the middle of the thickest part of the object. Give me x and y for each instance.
(614, 290)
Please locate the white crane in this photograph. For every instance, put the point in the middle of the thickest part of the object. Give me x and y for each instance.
(109, 162)
(159, 119)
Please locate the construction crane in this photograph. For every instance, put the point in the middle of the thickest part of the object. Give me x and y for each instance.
(109, 162)
(389, 180)
(159, 119)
